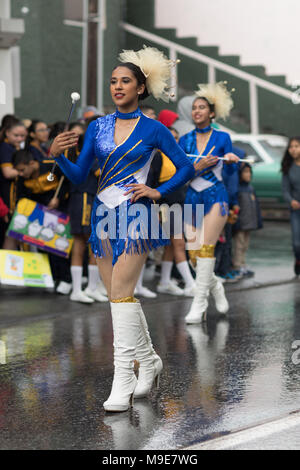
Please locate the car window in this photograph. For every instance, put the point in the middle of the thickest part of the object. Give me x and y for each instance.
(274, 149)
(249, 149)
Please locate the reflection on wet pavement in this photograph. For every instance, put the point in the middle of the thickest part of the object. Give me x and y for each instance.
(234, 371)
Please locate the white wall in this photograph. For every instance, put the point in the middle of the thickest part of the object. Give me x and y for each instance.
(261, 32)
(6, 77)
(6, 107)
(4, 8)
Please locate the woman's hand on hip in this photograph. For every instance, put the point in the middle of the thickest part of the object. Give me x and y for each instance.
(141, 190)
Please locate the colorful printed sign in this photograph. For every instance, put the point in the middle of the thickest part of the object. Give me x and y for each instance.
(20, 268)
(37, 225)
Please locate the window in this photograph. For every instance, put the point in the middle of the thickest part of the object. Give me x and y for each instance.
(275, 149)
(249, 149)
(73, 10)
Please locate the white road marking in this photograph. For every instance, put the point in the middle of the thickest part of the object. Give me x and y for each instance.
(239, 438)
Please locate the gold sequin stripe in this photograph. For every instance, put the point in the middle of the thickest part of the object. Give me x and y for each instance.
(101, 183)
(117, 182)
(86, 211)
(131, 163)
(119, 146)
(125, 300)
(206, 251)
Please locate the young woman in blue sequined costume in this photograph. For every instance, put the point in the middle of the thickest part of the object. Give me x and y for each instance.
(207, 189)
(125, 143)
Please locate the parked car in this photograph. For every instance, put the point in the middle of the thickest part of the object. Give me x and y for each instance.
(267, 151)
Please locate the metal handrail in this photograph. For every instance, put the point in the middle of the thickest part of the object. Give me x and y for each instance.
(214, 64)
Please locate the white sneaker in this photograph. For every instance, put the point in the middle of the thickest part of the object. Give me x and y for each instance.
(95, 295)
(145, 292)
(80, 296)
(64, 288)
(190, 290)
(169, 288)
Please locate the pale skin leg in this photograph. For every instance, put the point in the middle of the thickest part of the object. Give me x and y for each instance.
(120, 280)
(213, 224)
(78, 251)
(10, 244)
(176, 250)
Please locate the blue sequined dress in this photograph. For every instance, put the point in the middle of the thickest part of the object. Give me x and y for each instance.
(207, 186)
(117, 225)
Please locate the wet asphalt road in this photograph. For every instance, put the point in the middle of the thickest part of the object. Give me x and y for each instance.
(232, 373)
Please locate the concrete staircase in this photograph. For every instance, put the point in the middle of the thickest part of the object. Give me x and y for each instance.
(276, 114)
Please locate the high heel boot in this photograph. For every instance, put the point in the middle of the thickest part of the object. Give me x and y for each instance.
(126, 329)
(218, 292)
(150, 364)
(204, 273)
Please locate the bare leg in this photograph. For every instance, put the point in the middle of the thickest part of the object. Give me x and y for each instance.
(10, 244)
(78, 250)
(125, 275)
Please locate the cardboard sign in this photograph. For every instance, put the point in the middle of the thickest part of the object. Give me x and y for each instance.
(37, 225)
(20, 268)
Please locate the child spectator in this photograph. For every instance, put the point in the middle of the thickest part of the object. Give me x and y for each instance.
(290, 167)
(38, 136)
(249, 219)
(33, 184)
(11, 138)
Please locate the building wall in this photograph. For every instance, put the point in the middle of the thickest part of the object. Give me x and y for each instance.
(260, 31)
(50, 61)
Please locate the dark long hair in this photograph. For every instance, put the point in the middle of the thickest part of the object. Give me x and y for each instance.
(140, 77)
(288, 160)
(32, 128)
(8, 127)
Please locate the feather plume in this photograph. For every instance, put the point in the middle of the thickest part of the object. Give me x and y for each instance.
(218, 95)
(155, 66)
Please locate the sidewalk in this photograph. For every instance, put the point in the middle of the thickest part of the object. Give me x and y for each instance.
(270, 256)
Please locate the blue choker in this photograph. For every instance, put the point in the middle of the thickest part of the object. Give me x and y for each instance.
(135, 114)
(204, 130)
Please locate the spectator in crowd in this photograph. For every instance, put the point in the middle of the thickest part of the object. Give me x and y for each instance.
(79, 209)
(249, 219)
(89, 112)
(290, 167)
(149, 111)
(33, 184)
(184, 123)
(36, 142)
(224, 268)
(11, 138)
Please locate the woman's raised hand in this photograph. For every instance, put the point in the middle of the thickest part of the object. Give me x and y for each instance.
(141, 190)
(62, 142)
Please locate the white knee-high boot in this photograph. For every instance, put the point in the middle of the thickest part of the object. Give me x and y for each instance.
(150, 364)
(204, 274)
(126, 328)
(218, 292)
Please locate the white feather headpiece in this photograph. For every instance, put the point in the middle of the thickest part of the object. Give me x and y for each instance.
(155, 66)
(218, 95)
